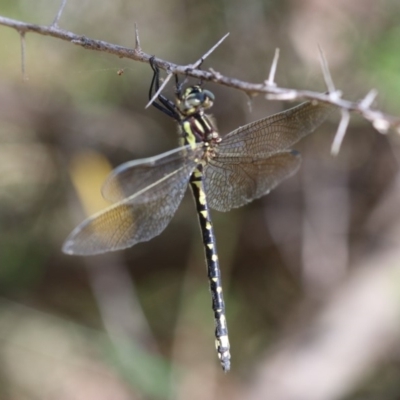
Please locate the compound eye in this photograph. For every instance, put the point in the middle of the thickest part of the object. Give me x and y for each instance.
(208, 95)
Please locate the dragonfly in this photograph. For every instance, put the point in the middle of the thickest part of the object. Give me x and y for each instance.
(223, 173)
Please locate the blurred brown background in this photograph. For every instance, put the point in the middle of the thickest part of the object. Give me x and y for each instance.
(137, 324)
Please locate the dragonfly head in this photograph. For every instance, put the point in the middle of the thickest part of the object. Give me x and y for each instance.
(194, 99)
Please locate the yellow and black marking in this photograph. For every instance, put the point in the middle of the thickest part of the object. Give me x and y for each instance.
(223, 174)
(213, 270)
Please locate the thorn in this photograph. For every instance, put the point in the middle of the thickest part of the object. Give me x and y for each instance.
(58, 16)
(341, 131)
(271, 77)
(249, 102)
(366, 102)
(162, 86)
(23, 48)
(137, 40)
(201, 60)
(325, 72)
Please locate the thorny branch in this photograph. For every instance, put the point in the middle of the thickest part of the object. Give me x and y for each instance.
(381, 121)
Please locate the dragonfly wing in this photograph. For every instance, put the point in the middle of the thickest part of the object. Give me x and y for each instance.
(134, 176)
(277, 132)
(232, 182)
(135, 219)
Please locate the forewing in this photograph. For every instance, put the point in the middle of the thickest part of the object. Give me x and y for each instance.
(232, 182)
(134, 176)
(135, 219)
(275, 133)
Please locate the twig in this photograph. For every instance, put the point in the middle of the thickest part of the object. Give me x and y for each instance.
(379, 120)
(289, 94)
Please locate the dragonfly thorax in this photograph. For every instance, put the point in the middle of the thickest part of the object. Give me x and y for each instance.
(194, 100)
(198, 128)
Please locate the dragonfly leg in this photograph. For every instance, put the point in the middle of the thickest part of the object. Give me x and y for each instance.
(166, 106)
